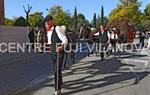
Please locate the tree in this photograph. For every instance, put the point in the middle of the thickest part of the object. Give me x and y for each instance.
(105, 21)
(102, 16)
(81, 16)
(146, 18)
(35, 19)
(146, 25)
(75, 19)
(130, 11)
(126, 2)
(27, 13)
(81, 20)
(20, 22)
(124, 28)
(94, 20)
(8, 22)
(147, 11)
(60, 16)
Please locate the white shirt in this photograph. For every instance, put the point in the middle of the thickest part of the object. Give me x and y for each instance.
(149, 42)
(63, 27)
(60, 34)
(108, 34)
(114, 36)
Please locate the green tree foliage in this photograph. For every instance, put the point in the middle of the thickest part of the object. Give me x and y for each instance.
(9, 22)
(123, 26)
(101, 20)
(105, 21)
(98, 21)
(35, 19)
(126, 2)
(75, 18)
(94, 20)
(82, 20)
(147, 10)
(20, 22)
(60, 16)
(146, 25)
(146, 18)
(102, 15)
(129, 10)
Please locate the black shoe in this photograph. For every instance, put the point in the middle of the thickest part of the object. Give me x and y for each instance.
(136, 81)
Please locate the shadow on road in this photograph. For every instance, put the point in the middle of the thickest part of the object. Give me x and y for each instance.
(111, 68)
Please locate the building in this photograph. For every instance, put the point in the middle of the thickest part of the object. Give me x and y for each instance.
(2, 12)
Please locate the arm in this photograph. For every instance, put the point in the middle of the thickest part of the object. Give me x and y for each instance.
(62, 37)
(96, 34)
(116, 36)
(108, 34)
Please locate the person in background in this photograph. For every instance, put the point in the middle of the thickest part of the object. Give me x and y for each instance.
(149, 43)
(113, 38)
(104, 40)
(31, 37)
(48, 26)
(55, 37)
(142, 37)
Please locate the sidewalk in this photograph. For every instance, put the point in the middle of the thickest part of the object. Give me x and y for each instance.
(90, 76)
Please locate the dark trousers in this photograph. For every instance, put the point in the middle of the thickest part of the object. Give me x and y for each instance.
(103, 48)
(53, 59)
(113, 44)
(142, 41)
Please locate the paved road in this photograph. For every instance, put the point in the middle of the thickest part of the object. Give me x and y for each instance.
(18, 70)
(32, 74)
(91, 76)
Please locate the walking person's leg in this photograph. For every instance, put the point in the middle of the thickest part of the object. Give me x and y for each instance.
(65, 60)
(106, 48)
(58, 74)
(114, 46)
(142, 41)
(102, 51)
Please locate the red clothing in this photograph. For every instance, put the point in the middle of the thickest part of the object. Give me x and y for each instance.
(48, 26)
(104, 30)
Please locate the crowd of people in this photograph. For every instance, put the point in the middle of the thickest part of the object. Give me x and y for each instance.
(56, 34)
(58, 40)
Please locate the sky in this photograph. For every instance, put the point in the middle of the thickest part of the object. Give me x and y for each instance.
(14, 8)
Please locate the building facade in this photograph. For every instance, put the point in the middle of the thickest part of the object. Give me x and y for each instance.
(2, 12)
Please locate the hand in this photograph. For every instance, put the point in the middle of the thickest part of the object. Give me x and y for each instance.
(108, 41)
(60, 49)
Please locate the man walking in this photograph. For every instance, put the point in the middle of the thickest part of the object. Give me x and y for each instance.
(31, 37)
(57, 40)
(104, 40)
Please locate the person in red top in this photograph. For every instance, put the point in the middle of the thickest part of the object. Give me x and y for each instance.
(48, 25)
(58, 41)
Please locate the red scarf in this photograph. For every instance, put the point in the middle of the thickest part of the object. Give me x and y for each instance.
(49, 26)
(104, 30)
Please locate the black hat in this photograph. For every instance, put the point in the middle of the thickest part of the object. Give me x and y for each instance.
(48, 18)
